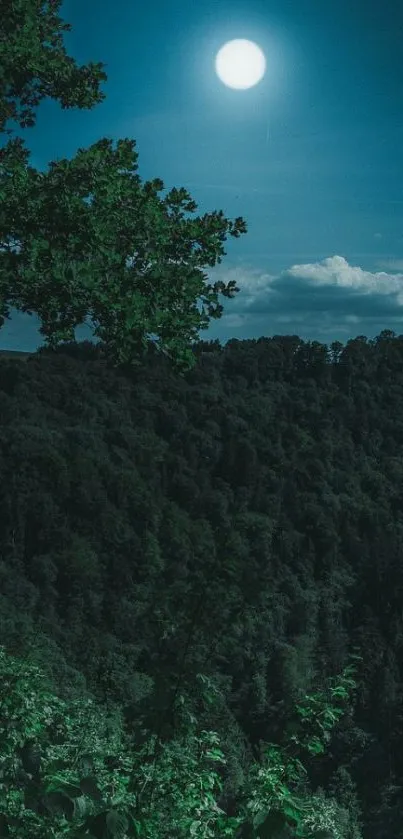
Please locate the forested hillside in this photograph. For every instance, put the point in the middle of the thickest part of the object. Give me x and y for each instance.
(243, 521)
(201, 581)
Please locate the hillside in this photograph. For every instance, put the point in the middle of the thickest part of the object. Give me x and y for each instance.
(15, 354)
(243, 521)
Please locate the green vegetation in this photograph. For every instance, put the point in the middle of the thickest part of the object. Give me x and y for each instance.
(176, 555)
(67, 769)
(186, 561)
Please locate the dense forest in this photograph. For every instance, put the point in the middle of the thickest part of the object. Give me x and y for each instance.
(201, 581)
(242, 521)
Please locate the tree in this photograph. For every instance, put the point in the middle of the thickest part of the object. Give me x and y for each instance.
(31, 69)
(87, 238)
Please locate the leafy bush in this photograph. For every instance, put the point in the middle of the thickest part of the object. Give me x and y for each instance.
(68, 769)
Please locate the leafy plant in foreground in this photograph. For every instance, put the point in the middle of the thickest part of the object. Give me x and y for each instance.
(67, 769)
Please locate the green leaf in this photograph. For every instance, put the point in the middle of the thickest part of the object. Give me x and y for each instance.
(89, 786)
(81, 807)
(96, 825)
(58, 803)
(66, 787)
(315, 747)
(116, 824)
(86, 763)
(271, 825)
(31, 757)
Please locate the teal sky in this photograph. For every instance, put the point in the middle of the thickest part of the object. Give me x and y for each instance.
(311, 157)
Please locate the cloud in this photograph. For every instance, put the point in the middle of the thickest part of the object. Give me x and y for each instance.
(336, 271)
(314, 278)
(324, 300)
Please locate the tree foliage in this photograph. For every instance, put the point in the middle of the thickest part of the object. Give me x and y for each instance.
(135, 541)
(34, 63)
(212, 527)
(87, 239)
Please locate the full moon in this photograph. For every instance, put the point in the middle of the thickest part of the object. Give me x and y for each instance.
(240, 64)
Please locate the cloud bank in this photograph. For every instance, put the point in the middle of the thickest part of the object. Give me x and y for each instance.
(325, 301)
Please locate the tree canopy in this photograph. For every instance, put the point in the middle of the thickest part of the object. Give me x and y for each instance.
(88, 239)
(242, 522)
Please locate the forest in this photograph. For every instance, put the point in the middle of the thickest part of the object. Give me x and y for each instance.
(201, 579)
(238, 526)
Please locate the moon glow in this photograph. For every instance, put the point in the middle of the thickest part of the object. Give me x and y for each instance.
(240, 64)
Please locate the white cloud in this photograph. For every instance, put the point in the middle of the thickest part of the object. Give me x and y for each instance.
(325, 300)
(336, 271)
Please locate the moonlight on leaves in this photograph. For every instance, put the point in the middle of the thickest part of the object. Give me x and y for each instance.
(240, 64)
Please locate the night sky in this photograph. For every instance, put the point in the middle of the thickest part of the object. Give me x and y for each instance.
(311, 156)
